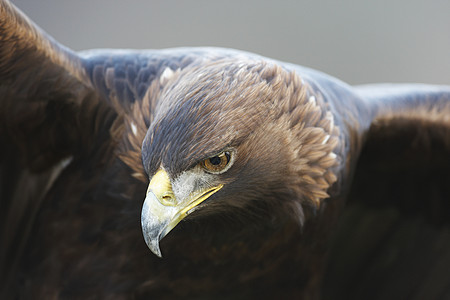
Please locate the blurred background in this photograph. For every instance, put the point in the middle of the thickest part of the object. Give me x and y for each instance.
(356, 41)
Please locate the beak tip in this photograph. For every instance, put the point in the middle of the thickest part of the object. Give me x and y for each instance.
(151, 228)
(153, 245)
(155, 249)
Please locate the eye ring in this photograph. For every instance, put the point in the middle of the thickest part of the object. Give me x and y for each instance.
(219, 163)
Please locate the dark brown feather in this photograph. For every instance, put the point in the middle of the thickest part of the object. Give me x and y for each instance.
(394, 241)
(42, 86)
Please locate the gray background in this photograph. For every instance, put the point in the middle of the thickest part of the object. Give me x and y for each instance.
(357, 41)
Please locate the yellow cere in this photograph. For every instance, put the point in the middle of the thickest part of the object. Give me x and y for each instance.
(162, 188)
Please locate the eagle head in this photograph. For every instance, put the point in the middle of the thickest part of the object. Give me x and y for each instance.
(235, 137)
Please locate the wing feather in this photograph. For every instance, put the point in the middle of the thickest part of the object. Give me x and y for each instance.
(40, 84)
(393, 237)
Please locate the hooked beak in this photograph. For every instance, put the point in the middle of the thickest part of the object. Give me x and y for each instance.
(161, 211)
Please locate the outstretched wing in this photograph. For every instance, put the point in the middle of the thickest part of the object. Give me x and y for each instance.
(42, 112)
(394, 236)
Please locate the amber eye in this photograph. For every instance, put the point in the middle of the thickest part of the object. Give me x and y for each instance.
(218, 163)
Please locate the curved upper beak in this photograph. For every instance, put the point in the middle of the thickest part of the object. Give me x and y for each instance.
(162, 211)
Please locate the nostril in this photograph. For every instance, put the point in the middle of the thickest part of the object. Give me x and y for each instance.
(168, 199)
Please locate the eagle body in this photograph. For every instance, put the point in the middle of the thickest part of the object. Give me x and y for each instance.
(248, 177)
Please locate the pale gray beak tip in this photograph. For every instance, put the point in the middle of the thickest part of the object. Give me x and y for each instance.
(153, 245)
(152, 227)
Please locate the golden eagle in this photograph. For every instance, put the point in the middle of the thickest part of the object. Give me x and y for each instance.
(246, 161)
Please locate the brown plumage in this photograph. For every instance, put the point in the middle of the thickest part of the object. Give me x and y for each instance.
(83, 134)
